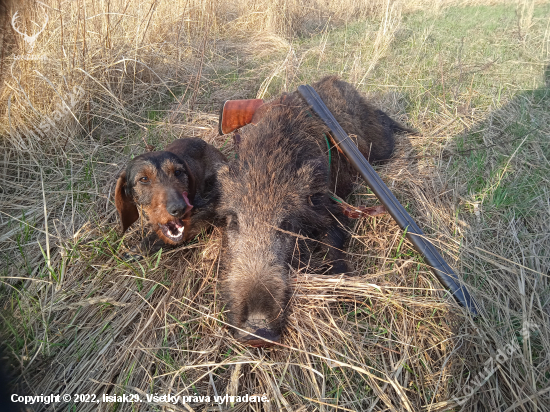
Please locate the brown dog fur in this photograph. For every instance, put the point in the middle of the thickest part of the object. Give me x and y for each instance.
(159, 182)
(277, 196)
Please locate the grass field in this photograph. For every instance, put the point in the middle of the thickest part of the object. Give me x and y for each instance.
(106, 77)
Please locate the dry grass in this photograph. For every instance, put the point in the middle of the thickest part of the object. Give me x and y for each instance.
(78, 319)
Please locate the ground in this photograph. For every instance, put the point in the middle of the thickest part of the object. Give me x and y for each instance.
(473, 78)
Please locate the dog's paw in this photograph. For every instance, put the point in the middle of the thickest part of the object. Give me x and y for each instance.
(132, 256)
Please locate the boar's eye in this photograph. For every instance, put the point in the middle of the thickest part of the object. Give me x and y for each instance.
(286, 225)
(316, 199)
(232, 222)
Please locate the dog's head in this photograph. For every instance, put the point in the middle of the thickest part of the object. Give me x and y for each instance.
(161, 184)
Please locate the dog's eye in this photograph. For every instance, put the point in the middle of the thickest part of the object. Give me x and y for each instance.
(144, 179)
(178, 172)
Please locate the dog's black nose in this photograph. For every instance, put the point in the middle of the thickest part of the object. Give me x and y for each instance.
(176, 209)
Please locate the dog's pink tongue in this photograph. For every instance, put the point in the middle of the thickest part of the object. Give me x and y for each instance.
(189, 205)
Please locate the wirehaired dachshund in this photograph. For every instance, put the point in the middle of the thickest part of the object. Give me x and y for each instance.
(176, 190)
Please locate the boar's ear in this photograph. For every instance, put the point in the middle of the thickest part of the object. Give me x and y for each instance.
(125, 205)
(313, 173)
(222, 172)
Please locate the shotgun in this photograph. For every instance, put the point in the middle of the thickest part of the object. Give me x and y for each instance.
(441, 269)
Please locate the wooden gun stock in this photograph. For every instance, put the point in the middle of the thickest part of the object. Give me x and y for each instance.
(237, 113)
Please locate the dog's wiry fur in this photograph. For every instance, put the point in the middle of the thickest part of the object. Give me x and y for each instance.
(175, 188)
(279, 187)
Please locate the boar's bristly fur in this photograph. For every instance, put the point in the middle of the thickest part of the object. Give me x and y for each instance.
(276, 203)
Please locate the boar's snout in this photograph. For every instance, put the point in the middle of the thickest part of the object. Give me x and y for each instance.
(257, 301)
(258, 328)
(259, 317)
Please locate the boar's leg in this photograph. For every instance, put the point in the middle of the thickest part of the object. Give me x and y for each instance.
(336, 238)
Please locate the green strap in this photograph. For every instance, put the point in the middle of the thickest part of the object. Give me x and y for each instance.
(329, 151)
(328, 146)
(335, 198)
(332, 195)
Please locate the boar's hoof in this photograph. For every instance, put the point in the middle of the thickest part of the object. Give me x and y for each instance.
(247, 339)
(340, 267)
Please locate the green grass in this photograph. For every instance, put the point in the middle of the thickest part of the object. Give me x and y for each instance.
(472, 84)
(472, 59)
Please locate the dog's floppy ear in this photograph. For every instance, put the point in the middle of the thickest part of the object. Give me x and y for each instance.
(125, 205)
(192, 181)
